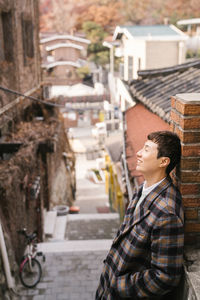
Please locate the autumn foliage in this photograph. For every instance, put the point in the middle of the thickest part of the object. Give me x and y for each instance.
(66, 15)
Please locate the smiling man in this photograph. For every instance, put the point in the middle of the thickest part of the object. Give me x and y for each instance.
(146, 258)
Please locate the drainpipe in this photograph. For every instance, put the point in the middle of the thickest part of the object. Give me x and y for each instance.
(129, 189)
(6, 264)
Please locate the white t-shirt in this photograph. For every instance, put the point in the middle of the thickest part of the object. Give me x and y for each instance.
(146, 191)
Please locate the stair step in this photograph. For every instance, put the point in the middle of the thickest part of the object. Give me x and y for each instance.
(49, 223)
(87, 217)
(102, 197)
(75, 246)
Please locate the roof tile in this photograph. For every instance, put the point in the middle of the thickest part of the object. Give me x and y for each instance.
(154, 88)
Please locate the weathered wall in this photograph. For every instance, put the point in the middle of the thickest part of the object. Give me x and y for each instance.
(19, 55)
(27, 42)
(22, 201)
(20, 71)
(61, 171)
(45, 155)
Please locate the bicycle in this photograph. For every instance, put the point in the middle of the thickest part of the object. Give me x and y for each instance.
(30, 270)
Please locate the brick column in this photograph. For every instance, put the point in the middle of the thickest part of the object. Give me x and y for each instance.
(185, 121)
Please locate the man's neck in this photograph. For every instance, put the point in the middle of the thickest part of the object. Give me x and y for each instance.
(152, 179)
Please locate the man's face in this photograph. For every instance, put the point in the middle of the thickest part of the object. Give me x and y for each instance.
(147, 161)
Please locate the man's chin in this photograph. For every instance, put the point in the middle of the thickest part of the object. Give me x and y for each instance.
(138, 168)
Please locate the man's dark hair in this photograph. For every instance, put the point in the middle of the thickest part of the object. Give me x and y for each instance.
(169, 145)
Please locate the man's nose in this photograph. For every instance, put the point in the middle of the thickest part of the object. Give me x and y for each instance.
(139, 152)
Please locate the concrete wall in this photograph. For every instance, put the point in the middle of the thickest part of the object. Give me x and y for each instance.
(61, 173)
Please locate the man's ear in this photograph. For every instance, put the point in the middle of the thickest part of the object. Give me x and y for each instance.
(165, 161)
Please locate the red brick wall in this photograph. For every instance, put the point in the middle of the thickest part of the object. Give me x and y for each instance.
(185, 116)
(136, 135)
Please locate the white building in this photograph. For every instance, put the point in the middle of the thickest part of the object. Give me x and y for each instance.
(150, 47)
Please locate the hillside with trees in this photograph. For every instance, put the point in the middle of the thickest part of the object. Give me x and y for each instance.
(66, 15)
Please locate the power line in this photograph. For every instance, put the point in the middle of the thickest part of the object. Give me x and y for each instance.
(30, 97)
(66, 107)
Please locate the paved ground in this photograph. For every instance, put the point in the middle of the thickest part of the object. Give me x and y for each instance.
(69, 275)
(73, 266)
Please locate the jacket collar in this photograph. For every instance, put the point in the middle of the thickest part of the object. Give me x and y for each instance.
(156, 192)
(141, 212)
(149, 199)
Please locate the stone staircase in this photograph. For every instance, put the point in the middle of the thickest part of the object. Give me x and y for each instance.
(76, 244)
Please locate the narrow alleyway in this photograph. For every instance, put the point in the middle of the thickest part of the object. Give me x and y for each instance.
(74, 262)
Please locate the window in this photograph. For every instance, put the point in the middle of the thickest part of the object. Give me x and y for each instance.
(130, 67)
(27, 38)
(7, 41)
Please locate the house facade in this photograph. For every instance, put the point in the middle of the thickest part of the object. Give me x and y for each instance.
(144, 47)
(57, 39)
(61, 56)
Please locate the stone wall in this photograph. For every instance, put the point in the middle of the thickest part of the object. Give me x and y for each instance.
(45, 156)
(61, 171)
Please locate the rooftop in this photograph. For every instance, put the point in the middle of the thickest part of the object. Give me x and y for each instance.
(149, 31)
(64, 45)
(64, 37)
(189, 21)
(61, 63)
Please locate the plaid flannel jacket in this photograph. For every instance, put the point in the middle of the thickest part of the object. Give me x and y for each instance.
(146, 257)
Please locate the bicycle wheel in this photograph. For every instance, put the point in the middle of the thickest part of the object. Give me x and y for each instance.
(30, 275)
